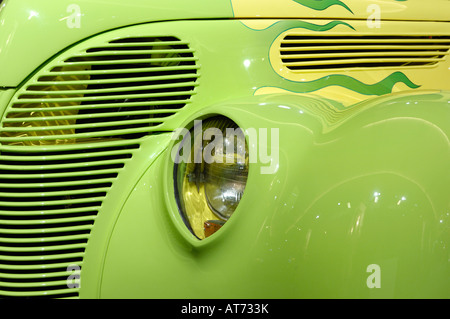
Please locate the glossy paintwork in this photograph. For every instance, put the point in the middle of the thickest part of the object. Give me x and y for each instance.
(338, 202)
(5, 96)
(350, 85)
(95, 256)
(436, 10)
(47, 27)
(26, 24)
(248, 68)
(357, 184)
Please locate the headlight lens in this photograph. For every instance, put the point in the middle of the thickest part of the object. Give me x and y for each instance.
(210, 181)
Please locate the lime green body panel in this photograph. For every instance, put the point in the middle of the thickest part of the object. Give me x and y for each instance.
(339, 201)
(5, 96)
(45, 26)
(364, 156)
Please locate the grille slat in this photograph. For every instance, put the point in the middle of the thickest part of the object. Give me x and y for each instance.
(6, 249)
(47, 193)
(104, 133)
(60, 293)
(133, 71)
(364, 54)
(47, 241)
(366, 47)
(149, 51)
(118, 80)
(56, 178)
(299, 52)
(86, 116)
(358, 62)
(44, 222)
(36, 268)
(40, 259)
(37, 204)
(107, 123)
(27, 107)
(141, 61)
(35, 276)
(141, 43)
(70, 156)
(27, 168)
(106, 97)
(43, 230)
(114, 91)
(56, 184)
(34, 284)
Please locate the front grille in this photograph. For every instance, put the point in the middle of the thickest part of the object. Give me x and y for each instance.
(125, 88)
(48, 205)
(302, 52)
(65, 138)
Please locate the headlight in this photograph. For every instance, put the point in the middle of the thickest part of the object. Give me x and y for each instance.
(210, 180)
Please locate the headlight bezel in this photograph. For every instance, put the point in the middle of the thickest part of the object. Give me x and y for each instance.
(173, 188)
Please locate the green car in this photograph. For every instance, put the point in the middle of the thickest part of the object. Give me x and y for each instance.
(248, 149)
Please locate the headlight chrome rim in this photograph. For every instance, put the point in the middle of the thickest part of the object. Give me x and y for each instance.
(187, 175)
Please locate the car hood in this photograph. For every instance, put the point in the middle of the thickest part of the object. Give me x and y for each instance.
(412, 10)
(47, 27)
